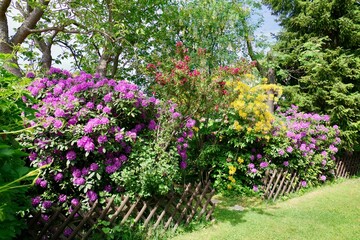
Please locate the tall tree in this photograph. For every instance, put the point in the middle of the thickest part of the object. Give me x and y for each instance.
(319, 59)
(9, 44)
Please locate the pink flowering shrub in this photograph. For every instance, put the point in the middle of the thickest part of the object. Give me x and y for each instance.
(306, 143)
(100, 137)
(301, 142)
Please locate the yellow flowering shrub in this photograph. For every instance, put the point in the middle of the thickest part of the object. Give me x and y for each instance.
(251, 104)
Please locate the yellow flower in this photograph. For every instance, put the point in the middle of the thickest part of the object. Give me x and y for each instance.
(232, 179)
(240, 160)
(196, 129)
(232, 170)
(229, 186)
(237, 126)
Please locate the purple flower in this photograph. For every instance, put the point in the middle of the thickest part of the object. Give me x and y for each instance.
(38, 181)
(46, 204)
(303, 183)
(259, 156)
(58, 124)
(253, 170)
(180, 139)
(252, 157)
(58, 177)
(94, 167)
(108, 97)
(303, 147)
(190, 123)
(281, 152)
(59, 113)
(251, 165)
(333, 149)
(67, 232)
(75, 202)
(107, 188)
(84, 171)
(43, 184)
(183, 164)
(289, 149)
(119, 136)
(70, 155)
(255, 188)
(264, 164)
(62, 198)
(30, 75)
(92, 195)
(76, 173)
(45, 217)
(131, 135)
(110, 169)
(323, 162)
(102, 139)
(152, 125)
(322, 178)
(99, 107)
(79, 181)
(286, 163)
(32, 156)
(89, 146)
(107, 110)
(129, 95)
(324, 153)
(35, 201)
(90, 105)
(176, 115)
(73, 120)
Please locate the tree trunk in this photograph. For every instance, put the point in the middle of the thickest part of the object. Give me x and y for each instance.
(272, 80)
(6, 47)
(103, 64)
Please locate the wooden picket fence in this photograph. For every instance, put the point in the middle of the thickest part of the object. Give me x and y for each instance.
(280, 182)
(347, 166)
(169, 212)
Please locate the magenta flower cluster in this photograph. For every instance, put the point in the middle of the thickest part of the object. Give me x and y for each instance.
(86, 127)
(310, 143)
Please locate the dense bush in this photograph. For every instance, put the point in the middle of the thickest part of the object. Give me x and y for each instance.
(303, 142)
(100, 137)
(15, 177)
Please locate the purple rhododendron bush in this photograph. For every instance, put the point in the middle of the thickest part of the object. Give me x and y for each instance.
(303, 142)
(96, 137)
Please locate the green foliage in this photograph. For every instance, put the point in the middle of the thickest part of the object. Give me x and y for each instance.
(14, 176)
(319, 59)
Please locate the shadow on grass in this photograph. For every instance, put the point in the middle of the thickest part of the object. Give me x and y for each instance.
(237, 217)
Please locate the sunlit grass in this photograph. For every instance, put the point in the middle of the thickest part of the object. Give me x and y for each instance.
(329, 212)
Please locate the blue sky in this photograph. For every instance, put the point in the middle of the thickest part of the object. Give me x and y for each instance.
(269, 26)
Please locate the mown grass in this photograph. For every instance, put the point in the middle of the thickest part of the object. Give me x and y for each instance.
(328, 212)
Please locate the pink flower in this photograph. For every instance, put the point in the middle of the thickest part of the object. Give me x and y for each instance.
(303, 183)
(322, 178)
(89, 146)
(281, 152)
(70, 155)
(58, 123)
(289, 149)
(264, 164)
(183, 164)
(190, 123)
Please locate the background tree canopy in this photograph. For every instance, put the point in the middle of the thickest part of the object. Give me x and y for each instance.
(319, 59)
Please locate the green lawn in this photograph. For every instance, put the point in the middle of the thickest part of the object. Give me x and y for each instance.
(329, 212)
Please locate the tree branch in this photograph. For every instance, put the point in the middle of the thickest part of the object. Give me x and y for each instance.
(29, 23)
